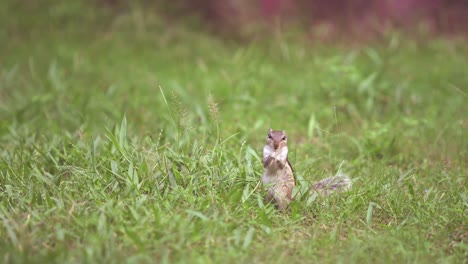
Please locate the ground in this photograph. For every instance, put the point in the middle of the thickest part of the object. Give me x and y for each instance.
(128, 138)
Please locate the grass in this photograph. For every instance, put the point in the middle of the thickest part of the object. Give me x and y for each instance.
(125, 138)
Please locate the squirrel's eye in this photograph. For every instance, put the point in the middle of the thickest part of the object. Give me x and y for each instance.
(284, 138)
(269, 136)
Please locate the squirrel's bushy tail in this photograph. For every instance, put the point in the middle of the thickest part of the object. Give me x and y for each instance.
(338, 183)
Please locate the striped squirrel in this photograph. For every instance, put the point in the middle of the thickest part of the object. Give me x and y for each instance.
(278, 174)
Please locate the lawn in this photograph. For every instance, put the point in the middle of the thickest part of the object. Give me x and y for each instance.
(126, 137)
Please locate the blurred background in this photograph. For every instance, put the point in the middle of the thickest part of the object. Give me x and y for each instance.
(324, 18)
(79, 65)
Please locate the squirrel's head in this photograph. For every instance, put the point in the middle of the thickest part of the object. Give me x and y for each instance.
(277, 139)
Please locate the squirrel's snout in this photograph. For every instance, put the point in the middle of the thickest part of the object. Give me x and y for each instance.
(276, 145)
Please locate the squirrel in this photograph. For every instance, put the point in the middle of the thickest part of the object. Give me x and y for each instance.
(278, 173)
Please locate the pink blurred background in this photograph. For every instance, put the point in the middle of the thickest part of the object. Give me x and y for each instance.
(433, 16)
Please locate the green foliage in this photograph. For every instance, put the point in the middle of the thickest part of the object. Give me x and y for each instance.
(124, 138)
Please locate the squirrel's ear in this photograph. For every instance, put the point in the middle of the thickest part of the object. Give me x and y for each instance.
(284, 132)
(271, 130)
